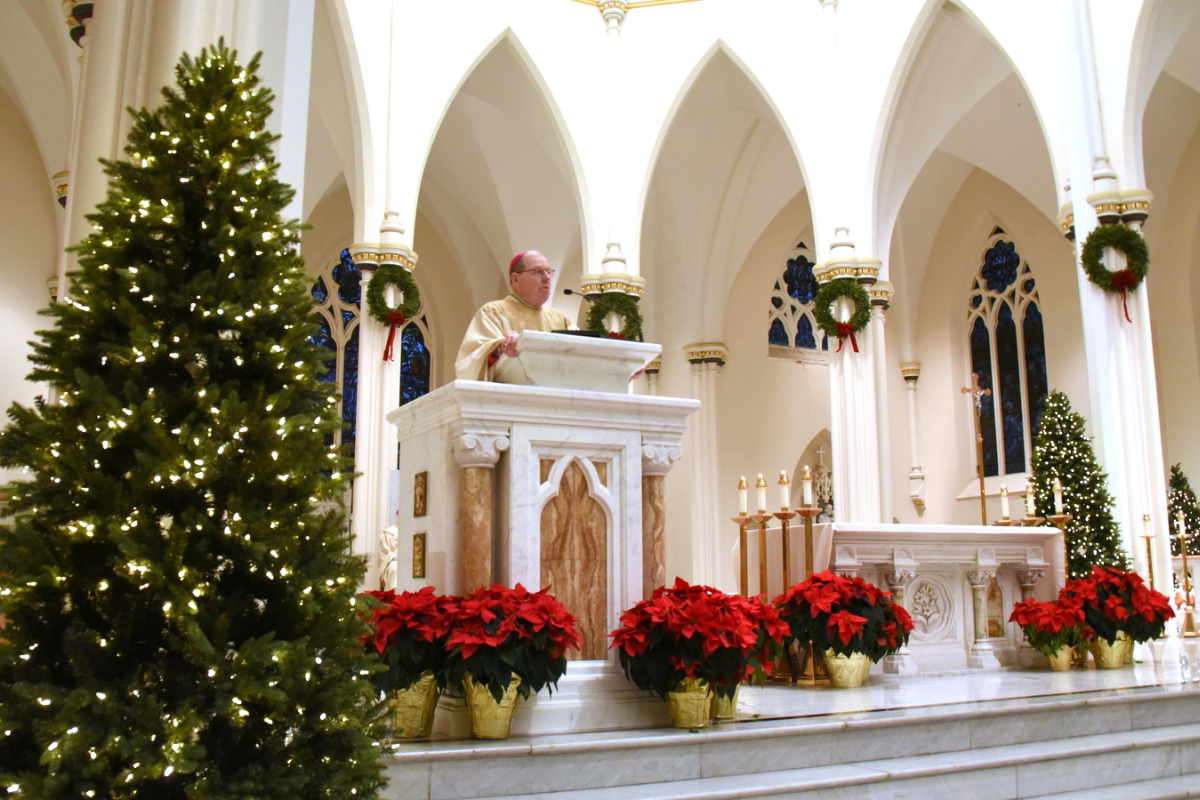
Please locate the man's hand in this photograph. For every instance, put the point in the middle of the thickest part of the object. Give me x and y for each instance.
(509, 346)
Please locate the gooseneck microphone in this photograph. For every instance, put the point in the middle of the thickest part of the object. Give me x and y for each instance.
(603, 305)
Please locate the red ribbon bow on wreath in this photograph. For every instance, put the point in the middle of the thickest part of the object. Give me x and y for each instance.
(1124, 280)
(394, 318)
(845, 329)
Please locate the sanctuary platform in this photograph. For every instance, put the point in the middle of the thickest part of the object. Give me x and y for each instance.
(994, 735)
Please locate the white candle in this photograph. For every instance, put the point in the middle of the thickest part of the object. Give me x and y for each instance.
(1058, 503)
(1182, 524)
(743, 497)
(785, 499)
(1003, 501)
(1030, 502)
(806, 487)
(761, 485)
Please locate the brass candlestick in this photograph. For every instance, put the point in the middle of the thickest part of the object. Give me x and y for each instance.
(1059, 520)
(809, 513)
(743, 544)
(784, 518)
(761, 519)
(1032, 522)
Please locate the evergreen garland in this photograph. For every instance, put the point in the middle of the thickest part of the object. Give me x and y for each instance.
(1129, 242)
(626, 306)
(1180, 497)
(180, 610)
(832, 291)
(1064, 451)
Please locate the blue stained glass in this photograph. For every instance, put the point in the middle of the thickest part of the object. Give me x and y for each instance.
(1029, 284)
(1036, 384)
(348, 279)
(976, 300)
(414, 365)
(347, 317)
(799, 278)
(981, 365)
(319, 292)
(1000, 266)
(778, 334)
(1012, 410)
(824, 342)
(804, 335)
(777, 302)
(350, 393)
(325, 339)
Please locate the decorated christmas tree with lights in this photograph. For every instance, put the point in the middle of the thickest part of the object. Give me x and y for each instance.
(178, 584)
(1064, 451)
(1181, 499)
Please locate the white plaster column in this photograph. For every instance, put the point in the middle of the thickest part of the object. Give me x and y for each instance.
(1122, 385)
(881, 298)
(710, 560)
(911, 370)
(378, 393)
(856, 406)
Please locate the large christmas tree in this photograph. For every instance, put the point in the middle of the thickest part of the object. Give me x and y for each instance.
(181, 617)
(1181, 498)
(1064, 451)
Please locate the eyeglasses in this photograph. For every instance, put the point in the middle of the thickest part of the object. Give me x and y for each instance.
(541, 273)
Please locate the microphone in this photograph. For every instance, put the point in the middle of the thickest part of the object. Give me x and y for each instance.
(604, 305)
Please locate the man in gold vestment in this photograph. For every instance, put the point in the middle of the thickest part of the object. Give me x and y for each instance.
(489, 349)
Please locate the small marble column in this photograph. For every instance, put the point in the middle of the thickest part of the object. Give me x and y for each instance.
(1026, 578)
(477, 453)
(657, 460)
(901, 662)
(983, 655)
(911, 370)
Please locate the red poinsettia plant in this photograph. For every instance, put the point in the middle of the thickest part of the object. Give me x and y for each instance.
(846, 615)
(498, 632)
(1113, 600)
(1049, 626)
(409, 636)
(700, 633)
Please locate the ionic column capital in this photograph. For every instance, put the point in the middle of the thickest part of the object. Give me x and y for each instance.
(659, 457)
(479, 446)
(369, 256)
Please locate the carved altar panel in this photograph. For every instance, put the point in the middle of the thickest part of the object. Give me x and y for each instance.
(574, 563)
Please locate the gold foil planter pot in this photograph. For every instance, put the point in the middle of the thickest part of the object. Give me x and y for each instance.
(723, 708)
(1062, 659)
(691, 706)
(410, 711)
(489, 719)
(847, 672)
(1111, 656)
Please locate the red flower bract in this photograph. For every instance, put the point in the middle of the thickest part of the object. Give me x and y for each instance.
(847, 614)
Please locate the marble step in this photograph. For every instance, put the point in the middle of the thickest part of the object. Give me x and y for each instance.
(993, 773)
(987, 743)
(1178, 788)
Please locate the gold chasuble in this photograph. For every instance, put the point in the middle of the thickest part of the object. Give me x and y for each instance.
(495, 321)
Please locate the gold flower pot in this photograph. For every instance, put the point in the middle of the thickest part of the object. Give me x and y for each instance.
(1111, 656)
(410, 711)
(723, 708)
(847, 672)
(691, 706)
(489, 719)
(1061, 659)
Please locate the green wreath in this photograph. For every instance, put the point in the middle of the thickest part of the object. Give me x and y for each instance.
(1129, 242)
(410, 296)
(823, 309)
(624, 305)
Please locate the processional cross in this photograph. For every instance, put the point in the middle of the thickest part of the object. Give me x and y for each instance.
(977, 393)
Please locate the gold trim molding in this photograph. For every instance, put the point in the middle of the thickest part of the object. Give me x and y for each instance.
(371, 255)
(706, 352)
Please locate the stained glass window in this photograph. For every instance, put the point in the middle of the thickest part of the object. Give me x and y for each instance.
(1008, 352)
(338, 312)
(791, 323)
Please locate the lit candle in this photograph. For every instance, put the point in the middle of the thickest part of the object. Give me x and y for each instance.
(762, 494)
(806, 486)
(1030, 502)
(743, 496)
(784, 493)
(1058, 504)
(1003, 501)
(1182, 520)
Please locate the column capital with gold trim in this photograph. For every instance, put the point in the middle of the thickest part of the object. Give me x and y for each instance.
(369, 256)
(706, 353)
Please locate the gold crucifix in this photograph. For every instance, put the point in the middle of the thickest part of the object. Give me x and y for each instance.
(977, 393)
